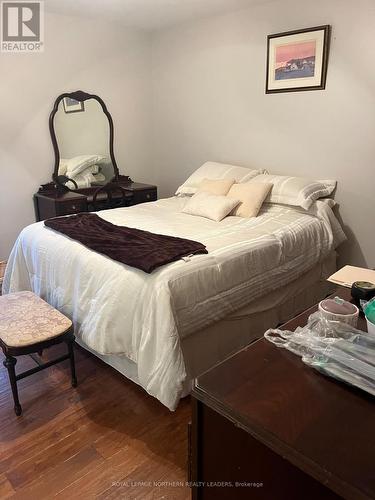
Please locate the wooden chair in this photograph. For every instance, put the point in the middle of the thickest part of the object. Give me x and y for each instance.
(29, 325)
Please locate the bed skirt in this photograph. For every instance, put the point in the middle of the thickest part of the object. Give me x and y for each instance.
(222, 339)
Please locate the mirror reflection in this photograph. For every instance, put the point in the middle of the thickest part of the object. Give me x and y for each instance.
(82, 133)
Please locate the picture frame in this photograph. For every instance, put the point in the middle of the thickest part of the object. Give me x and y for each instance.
(72, 105)
(298, 60)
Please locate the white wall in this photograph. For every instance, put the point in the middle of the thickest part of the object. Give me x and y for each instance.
(105, 59)
(206, 101)
(209, 104)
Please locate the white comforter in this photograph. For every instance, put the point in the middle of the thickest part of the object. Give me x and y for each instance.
(121, 310)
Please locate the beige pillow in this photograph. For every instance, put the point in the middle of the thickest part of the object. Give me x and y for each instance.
(216, 186)
(209, 205)
(251, 196)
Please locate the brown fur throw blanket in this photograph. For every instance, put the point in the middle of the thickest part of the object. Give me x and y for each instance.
(131, 246)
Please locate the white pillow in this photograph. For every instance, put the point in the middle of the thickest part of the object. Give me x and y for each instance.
(77, 164)
(297, 191)
(211, 206)
(213, 170)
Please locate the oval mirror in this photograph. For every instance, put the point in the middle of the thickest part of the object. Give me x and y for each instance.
(82, 135)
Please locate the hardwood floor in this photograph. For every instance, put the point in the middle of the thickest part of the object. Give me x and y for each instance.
(105, 439)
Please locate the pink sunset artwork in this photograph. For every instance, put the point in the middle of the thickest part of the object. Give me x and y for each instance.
(295, 60)
(294, 51)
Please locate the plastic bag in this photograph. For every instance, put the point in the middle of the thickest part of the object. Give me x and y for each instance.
(335, 349)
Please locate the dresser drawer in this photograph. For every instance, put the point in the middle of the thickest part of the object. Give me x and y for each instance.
(144, 196)
(71, 207)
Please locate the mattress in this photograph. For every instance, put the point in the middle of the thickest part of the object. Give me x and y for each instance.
(120, 310)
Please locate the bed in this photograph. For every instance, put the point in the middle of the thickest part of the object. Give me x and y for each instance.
(163, 329)
(150, 327)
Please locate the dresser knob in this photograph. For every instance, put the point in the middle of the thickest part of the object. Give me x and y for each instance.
(148, 196)
(73, 207)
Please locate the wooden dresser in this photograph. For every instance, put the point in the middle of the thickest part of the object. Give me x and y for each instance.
(82, 135)
(50, 203)
(266, 426)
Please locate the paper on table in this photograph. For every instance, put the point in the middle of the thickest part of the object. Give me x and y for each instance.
(348, 274)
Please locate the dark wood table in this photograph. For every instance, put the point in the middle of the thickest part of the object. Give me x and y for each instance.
(264, 418)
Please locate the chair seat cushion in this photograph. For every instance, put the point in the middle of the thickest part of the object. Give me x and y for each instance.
(26, 319)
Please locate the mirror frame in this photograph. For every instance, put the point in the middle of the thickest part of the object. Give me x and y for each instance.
(81, 96)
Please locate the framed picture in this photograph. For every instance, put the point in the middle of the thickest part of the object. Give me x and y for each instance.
(73, 106)
(297, 60)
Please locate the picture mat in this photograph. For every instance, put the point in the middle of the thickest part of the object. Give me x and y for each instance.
(309, 36)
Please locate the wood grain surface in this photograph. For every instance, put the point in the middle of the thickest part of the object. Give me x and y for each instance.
(107, 438)
(320, 425)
